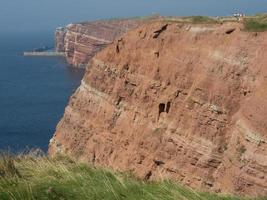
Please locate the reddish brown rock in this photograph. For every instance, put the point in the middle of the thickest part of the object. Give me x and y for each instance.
(178, 101)
(82, 41)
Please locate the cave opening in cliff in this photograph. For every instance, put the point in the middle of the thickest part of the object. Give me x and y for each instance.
(117, 49)
(161, 108)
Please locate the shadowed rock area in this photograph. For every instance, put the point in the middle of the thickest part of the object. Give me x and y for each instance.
(177, 101)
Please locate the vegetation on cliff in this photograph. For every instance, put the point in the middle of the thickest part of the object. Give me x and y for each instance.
(257, 23)
(38, 177)
(202, 20)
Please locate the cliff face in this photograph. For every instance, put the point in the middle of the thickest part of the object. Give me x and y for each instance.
(82, 41)
(185, 102)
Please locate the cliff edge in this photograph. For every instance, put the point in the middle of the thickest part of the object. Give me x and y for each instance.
(179, 101)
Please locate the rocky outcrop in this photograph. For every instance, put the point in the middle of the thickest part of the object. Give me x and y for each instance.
(82, 41)
(178, 101)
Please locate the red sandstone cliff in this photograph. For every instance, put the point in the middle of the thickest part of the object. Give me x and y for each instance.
(185, 102)
(81, 41)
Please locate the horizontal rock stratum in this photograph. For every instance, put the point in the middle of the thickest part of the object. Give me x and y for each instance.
(177, 101)
(81, 41)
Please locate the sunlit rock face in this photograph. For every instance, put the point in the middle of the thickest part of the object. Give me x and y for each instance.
(176, 101)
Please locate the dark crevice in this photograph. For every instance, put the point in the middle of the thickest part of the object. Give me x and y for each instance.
(126, 67)
(230, 31)
(168, 107)
(147, 176)
(119, 100)
(246, 92)
(159, 162)
(94, 158)
(117, 49)
(158, 32)
(208, 184)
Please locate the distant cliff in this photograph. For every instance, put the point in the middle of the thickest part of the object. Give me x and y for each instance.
(82, 41)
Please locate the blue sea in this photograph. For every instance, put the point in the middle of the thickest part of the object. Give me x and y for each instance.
(33, 91)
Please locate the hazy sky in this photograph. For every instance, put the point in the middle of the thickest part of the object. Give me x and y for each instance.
(46, 15)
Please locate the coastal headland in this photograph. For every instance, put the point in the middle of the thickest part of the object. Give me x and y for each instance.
(173, 98)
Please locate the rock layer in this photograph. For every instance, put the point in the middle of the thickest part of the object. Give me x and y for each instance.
(178, 101)
(81, 41)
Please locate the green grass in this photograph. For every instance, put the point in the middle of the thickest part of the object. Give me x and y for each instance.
(257, 23)
(34, 177)
(202, 20)
(192, 20)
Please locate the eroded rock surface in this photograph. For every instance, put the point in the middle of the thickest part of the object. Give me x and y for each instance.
(178, 101)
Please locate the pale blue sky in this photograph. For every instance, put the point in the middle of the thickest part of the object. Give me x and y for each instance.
(46, 15)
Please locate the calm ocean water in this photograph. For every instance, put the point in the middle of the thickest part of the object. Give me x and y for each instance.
(33, 92)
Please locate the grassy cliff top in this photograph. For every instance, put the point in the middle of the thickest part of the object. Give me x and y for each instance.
(38, 177)
(255, 23)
